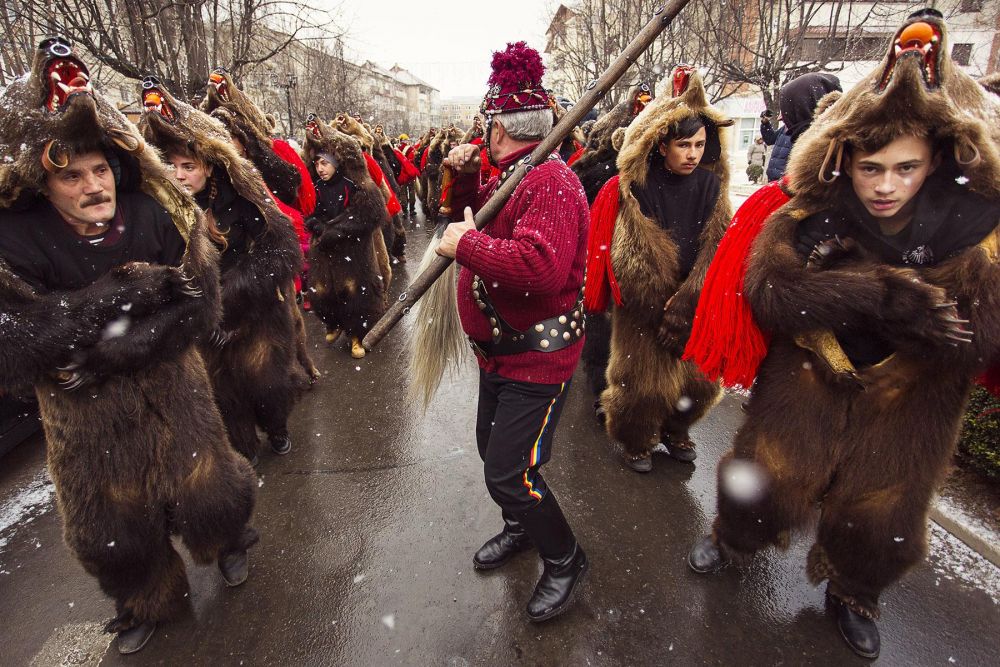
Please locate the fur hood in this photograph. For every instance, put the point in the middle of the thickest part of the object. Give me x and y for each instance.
(40, 122)
(599, 146)
(576, 134)
(915, 90)
(170, 124)
(440, 144)
(224, 94)
(643, 136)
(644, 256)
(324, 138)
(353, 128)
(381, 138)
(474, 132)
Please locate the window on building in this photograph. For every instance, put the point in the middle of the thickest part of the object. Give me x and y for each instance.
(811, 48)
(748, 132)
(961, 54)
(971, 6)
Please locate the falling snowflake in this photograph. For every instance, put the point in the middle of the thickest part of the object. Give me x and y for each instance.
(962, 180)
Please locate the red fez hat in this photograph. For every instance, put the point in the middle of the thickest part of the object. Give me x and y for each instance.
(516, 81)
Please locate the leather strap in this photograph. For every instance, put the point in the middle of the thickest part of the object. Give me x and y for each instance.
(549, 335)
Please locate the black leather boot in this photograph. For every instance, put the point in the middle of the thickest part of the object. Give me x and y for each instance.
(564, 561)
(135, 638)
(860, 632)
(706, 557)
(234, 563)
(500, 548)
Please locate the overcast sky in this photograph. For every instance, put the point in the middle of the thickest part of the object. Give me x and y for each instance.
(448, 44)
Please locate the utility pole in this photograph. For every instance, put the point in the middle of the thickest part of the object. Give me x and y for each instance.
(290, 81)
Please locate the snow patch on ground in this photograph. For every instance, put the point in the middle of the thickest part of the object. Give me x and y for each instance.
(954, 561)
(73, 645)
(956, 512)
(26, 503)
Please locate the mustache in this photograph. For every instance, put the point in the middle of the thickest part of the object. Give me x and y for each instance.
(95, 200)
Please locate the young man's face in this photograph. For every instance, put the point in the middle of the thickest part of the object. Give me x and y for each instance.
(887, 180)
(682, 156)
(84, 191)
(325, 169)
(190, 172)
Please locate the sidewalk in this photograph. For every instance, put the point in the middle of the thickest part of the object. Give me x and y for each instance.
(968, 507)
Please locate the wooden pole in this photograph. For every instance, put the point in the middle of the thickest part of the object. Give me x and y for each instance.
(595, 91)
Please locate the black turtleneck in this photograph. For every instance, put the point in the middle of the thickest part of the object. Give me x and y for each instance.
(948, 219)
(681, 205)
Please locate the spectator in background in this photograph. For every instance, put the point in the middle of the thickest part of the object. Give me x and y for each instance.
(797, 101)
(756, 157)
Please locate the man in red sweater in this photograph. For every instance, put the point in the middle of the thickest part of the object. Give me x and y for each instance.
(520, 299)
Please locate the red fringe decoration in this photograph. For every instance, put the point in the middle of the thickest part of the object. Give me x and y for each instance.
(725, 341)
(408, 171)
(307, 190)
(375, 172)
(575, 156)
(600, 274)
(298, 222)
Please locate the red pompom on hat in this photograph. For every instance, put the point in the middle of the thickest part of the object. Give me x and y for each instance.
(516, 81)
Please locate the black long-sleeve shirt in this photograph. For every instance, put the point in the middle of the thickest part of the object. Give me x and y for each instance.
(45, 251)
(681, 205)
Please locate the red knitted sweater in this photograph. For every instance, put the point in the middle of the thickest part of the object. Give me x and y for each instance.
(531, 256)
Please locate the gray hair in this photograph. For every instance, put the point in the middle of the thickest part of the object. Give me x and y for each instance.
(525, 125)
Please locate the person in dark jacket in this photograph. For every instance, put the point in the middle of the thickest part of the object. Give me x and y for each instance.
(333, 189)
(798, 100)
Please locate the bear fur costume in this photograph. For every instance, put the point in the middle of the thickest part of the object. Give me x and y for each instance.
(252, 128)
(398, 246)
(348, 287)
(595, 166)
(646, 379)
(352, 127)
(420, 162)
(598, 163)
(149, 457)
(443, 141)
(259, 367)
(873, 443)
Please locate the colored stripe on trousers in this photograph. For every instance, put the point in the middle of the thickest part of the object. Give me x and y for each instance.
(533, 457)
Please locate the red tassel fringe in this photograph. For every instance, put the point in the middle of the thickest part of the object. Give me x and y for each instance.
(575, 156)
(725, 341)
(600, 275)
(375, 172)
(408, 172)
(306, 201)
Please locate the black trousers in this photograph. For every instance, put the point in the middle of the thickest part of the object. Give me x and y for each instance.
(514, 429)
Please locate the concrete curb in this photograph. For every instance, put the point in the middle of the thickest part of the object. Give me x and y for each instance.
(970, 537)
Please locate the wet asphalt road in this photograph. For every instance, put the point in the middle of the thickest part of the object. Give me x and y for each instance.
(368, 528)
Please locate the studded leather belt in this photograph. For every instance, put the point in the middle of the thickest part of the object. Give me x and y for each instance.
(554, 333)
